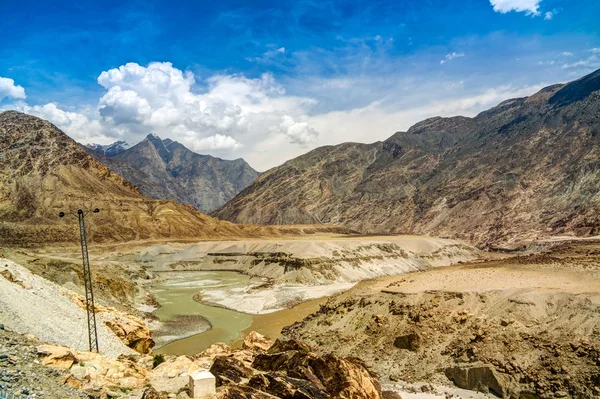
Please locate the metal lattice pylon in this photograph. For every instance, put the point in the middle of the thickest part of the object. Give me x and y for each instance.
(87, 279)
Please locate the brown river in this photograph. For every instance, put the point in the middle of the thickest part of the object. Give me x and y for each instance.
(176, 297)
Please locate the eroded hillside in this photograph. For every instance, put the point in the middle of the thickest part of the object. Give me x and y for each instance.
(526, 168)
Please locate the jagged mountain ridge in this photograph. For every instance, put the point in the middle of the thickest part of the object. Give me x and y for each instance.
(165, 169)
(44, 172)
(110, 150)
(526, 168)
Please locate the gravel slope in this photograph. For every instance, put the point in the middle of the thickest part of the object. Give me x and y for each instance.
(34, 305)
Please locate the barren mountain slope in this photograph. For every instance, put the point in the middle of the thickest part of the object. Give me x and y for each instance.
(43, 172)
(165, 169)
(525, 168)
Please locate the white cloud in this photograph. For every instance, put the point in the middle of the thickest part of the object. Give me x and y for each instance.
(267, 56)
(75, 124)
(566, 54)
(215, 142)
(234, 116)
(551, 62)
(451, 56)
(298, 132)
(548, 16)
(595, 50)
(10, 90)
(530, 7)
(591, 62)
(377, 121)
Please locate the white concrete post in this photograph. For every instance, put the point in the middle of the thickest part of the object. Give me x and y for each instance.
(202, 384)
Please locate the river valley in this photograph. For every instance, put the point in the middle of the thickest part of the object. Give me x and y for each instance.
(188, 326)
(264, 286)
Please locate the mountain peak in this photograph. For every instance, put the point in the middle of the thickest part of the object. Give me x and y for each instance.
(20, 117)
(153, 136)
(110, 150)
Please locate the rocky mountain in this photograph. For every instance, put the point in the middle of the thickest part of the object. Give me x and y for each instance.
(110, 150)
(165, 169)
(44, 172)
(526, 168)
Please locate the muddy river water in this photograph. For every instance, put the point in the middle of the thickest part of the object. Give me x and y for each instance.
(176, 297)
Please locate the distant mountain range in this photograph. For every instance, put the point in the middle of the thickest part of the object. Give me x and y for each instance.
(165, 169)
(527, 168)
(110, 150)
(43, 172)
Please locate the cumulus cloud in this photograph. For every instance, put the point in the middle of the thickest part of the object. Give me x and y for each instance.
(548, 15)
(232, 113)
(595, 50)
(75, 124)
(8, 89)
(566, 54)
(451, 56)
(529, 7)
(215, 142)
(298, 132)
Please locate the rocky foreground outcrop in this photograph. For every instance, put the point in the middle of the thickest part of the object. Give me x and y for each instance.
(284, 369)
(288, 369)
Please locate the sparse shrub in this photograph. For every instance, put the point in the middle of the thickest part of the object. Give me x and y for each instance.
(158, 359)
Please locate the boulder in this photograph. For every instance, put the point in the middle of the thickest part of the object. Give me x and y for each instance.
(340, 378)
(150, 393)
(244, 392)
(133, 332)
(257, 342)
(228, 369)
(7, 274)
(206, 358)
(482, 378)
(93, 372)
(202, 383)
(216, 349)
(345, 379)
(57, 356)
(172, 375)
(286, 387)
(410, 341)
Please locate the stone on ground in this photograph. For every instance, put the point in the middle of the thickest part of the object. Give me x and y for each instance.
(202, 383)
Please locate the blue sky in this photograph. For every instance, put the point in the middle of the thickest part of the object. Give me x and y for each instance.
(270, 80)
